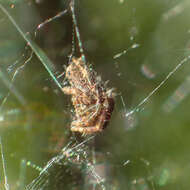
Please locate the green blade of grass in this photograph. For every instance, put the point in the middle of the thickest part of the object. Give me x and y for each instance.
(36, 49)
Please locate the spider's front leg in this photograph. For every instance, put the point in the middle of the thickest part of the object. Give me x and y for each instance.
(86, 130)
(78, 94)
(89, 126)
(70, 90)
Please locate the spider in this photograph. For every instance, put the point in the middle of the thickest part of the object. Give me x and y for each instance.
(93, 102)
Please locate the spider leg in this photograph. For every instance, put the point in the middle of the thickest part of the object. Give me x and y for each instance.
(86, 130)
(91, 116)
(95, 113)
(87, 110)
(69, 90)
(85, 122)
(73, 91)
(92, 129)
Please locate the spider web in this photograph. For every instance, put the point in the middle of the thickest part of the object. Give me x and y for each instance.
(143, 46)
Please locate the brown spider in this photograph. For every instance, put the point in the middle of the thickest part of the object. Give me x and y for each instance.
(93, 102)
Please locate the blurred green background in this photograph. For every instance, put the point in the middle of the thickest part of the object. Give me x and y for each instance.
(133, 44)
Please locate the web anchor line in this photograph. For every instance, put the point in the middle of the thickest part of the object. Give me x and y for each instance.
(137, 108)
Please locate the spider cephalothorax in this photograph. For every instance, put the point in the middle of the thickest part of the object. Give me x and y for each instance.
(93, 102)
